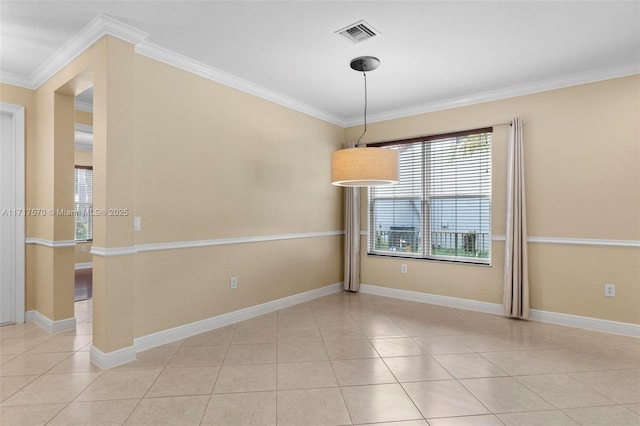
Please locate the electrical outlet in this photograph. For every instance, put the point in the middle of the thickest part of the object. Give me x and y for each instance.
(403, 268)
(610, 290)
(137, 223)
(83, 249)
(233, 283)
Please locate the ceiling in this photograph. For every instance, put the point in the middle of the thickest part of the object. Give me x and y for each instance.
(434, 54)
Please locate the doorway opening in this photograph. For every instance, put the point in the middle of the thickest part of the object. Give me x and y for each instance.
(83, 199)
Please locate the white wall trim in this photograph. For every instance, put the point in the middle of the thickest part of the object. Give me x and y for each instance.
(83, 265)
(53, 327)
(103, 25)
(97, 28)
(49, 243)
(585, 241)
(228, 241)
(505, 93)
(575, 241)
(182, 332)
(434, 299)
(177, 60)
(113, 359)
(112, 251)
(123, 251)
(140, 248)
(15, 80)
(614, 327)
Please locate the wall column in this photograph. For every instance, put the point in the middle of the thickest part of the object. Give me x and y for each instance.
(49, 260)
(63, 204)
(113, 261)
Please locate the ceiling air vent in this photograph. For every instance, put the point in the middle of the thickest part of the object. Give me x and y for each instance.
(360, 31)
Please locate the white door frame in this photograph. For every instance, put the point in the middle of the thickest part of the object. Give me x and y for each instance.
(17, 121)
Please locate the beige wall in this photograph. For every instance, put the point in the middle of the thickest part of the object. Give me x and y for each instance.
(83, 158)
(81, 256)
(582, 148)
(197, 161)
(200, 161)
(214, 163)
(84, 117)
(49, 115)
(51, 181)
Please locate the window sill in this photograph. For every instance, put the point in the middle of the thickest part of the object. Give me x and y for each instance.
(401, 255)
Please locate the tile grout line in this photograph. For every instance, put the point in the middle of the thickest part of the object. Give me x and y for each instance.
(385, 363)
(206, 407)
(26, 352)
(358, 315)
(324, 344)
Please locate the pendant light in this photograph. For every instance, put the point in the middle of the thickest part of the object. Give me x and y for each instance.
(362, 166)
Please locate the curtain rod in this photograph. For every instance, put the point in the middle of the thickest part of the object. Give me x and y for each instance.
(436, 135)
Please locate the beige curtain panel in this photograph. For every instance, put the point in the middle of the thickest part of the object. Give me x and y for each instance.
(352, 238)
(516, 271)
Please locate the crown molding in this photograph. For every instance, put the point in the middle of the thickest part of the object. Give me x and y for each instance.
(99, 26)
(103, 25)
(182, 62)
(505, 93)
(15, 80)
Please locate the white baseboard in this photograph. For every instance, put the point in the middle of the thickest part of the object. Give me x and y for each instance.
(122, 356)
(182, 332)
(53, 327)
(112, 359)
(614, 327)
(434, 299)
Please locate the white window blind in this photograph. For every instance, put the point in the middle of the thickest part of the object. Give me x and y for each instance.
(84, 203)
(441, 209)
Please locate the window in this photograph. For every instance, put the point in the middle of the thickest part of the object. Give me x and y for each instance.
(441, 209)
(84, 203)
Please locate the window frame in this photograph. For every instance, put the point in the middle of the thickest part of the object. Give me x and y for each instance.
(76, 209)
(425, 200)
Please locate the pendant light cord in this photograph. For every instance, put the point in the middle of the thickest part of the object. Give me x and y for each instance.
(365, 108)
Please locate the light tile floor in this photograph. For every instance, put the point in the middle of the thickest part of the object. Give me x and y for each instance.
(339, 360)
